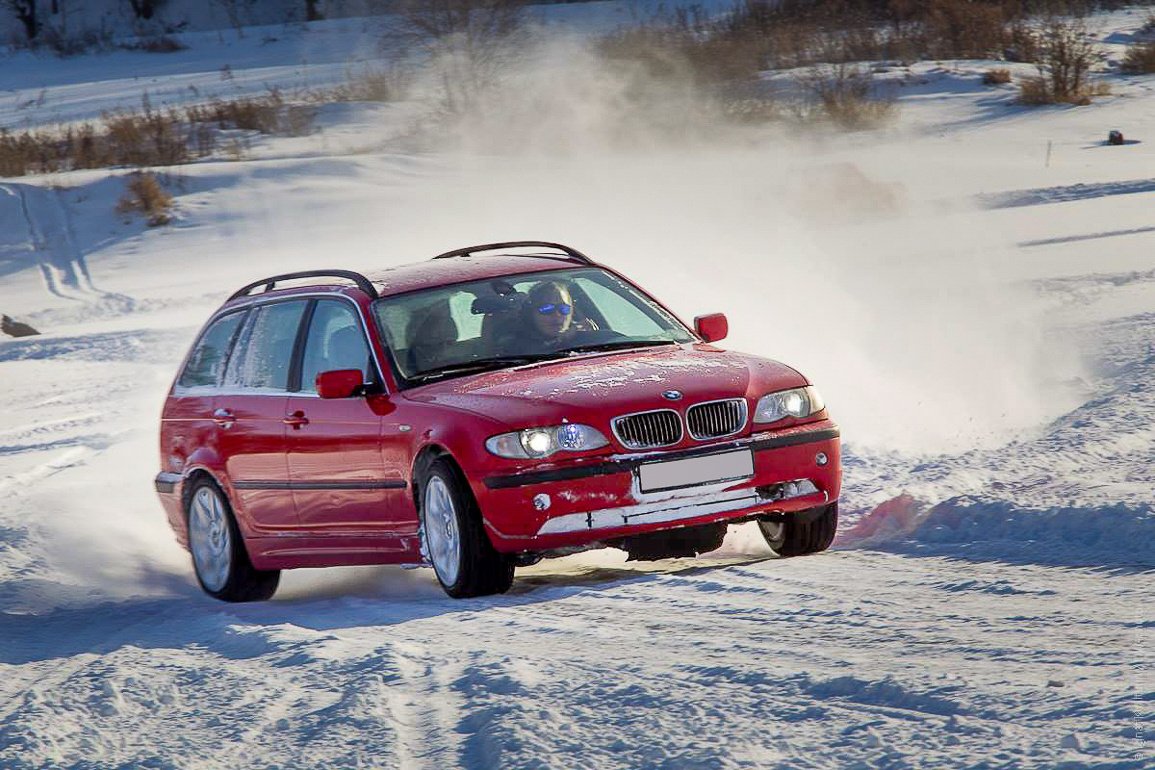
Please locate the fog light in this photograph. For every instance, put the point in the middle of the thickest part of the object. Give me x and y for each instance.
(541, 502)
(821, 458)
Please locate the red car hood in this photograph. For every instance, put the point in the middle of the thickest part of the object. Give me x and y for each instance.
(604, 385)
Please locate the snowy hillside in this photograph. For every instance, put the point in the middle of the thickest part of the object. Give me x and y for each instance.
(972, 288)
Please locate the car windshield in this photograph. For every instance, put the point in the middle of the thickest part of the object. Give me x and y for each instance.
(455, 330)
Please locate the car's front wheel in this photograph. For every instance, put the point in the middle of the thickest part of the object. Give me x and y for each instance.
(801, 533)
(454, 539)
(219, 557)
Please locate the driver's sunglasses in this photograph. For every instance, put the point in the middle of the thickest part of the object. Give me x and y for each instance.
(560, 307)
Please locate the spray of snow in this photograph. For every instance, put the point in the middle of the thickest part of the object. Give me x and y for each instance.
(821, 249)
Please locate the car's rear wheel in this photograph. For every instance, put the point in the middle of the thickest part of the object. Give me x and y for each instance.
(454, 539)
(222, 564)
(801, 533)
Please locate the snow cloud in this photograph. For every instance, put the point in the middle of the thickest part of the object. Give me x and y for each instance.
(821, 247)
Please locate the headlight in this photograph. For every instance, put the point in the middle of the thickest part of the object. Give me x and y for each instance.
(798, 402)
(534, 443)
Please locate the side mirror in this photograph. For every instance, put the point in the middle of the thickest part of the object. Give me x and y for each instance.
(713, 327)
(339, 383)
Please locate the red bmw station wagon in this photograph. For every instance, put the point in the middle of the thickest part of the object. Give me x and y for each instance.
(477, 412)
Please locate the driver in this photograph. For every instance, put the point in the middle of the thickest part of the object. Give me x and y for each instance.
(550, 310)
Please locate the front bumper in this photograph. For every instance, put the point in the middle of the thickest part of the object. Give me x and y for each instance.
(579, 503)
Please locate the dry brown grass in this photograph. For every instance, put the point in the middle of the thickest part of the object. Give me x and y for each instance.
(996, 77)
(387, 85)
(847, 97)
(145, 195)
(1034, 92)
(268, 114)
(152, 137)
(1038, 91)
(148, 138)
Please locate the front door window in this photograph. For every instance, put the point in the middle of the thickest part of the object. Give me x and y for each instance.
(335, 341)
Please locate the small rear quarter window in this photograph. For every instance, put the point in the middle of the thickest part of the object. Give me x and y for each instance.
(206, 364)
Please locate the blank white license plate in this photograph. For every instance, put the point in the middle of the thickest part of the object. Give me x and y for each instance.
(692, 471)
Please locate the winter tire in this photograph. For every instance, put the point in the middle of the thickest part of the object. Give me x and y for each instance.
(222, 564)
(454, 539)
(802, 533)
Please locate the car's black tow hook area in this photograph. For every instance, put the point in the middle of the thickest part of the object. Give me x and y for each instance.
(805, 516)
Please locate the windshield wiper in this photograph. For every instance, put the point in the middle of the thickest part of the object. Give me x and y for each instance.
(468, 367)
(486, 364)
(616, 345)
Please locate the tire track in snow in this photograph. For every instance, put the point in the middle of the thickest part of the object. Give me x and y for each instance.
(422, 707)
(830, 651)
(76, 456)
(50, 240)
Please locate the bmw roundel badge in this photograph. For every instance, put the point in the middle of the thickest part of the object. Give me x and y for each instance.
(672, 395)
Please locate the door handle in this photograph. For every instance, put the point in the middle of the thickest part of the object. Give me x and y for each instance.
(224, 418)
(296, 419)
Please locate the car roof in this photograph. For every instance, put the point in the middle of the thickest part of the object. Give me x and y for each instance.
(471, 263)
(444, 272)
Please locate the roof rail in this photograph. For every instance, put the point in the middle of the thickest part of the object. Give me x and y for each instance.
(270, 283)
(568, 254)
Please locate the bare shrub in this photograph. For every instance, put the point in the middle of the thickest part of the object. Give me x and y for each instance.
(157, 44)
(996, 77)
(238, 12)
(145, 9)
(1023, 44)
(847, 98)
(466, 44)
(65, 44)
(959, 29)
(145, 195)
(1140, 59)
(786, 34)
(675, 53)
(1066, 53)
(479, 22)
(25, 12)
(1034, 91)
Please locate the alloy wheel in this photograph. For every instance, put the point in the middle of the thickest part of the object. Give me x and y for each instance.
(210, 538)
(442, 538)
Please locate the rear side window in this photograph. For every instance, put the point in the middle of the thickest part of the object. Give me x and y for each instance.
(206, 364)
(264, 353)
(335, 341)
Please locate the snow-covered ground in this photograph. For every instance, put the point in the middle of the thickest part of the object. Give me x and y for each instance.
(972, 288)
